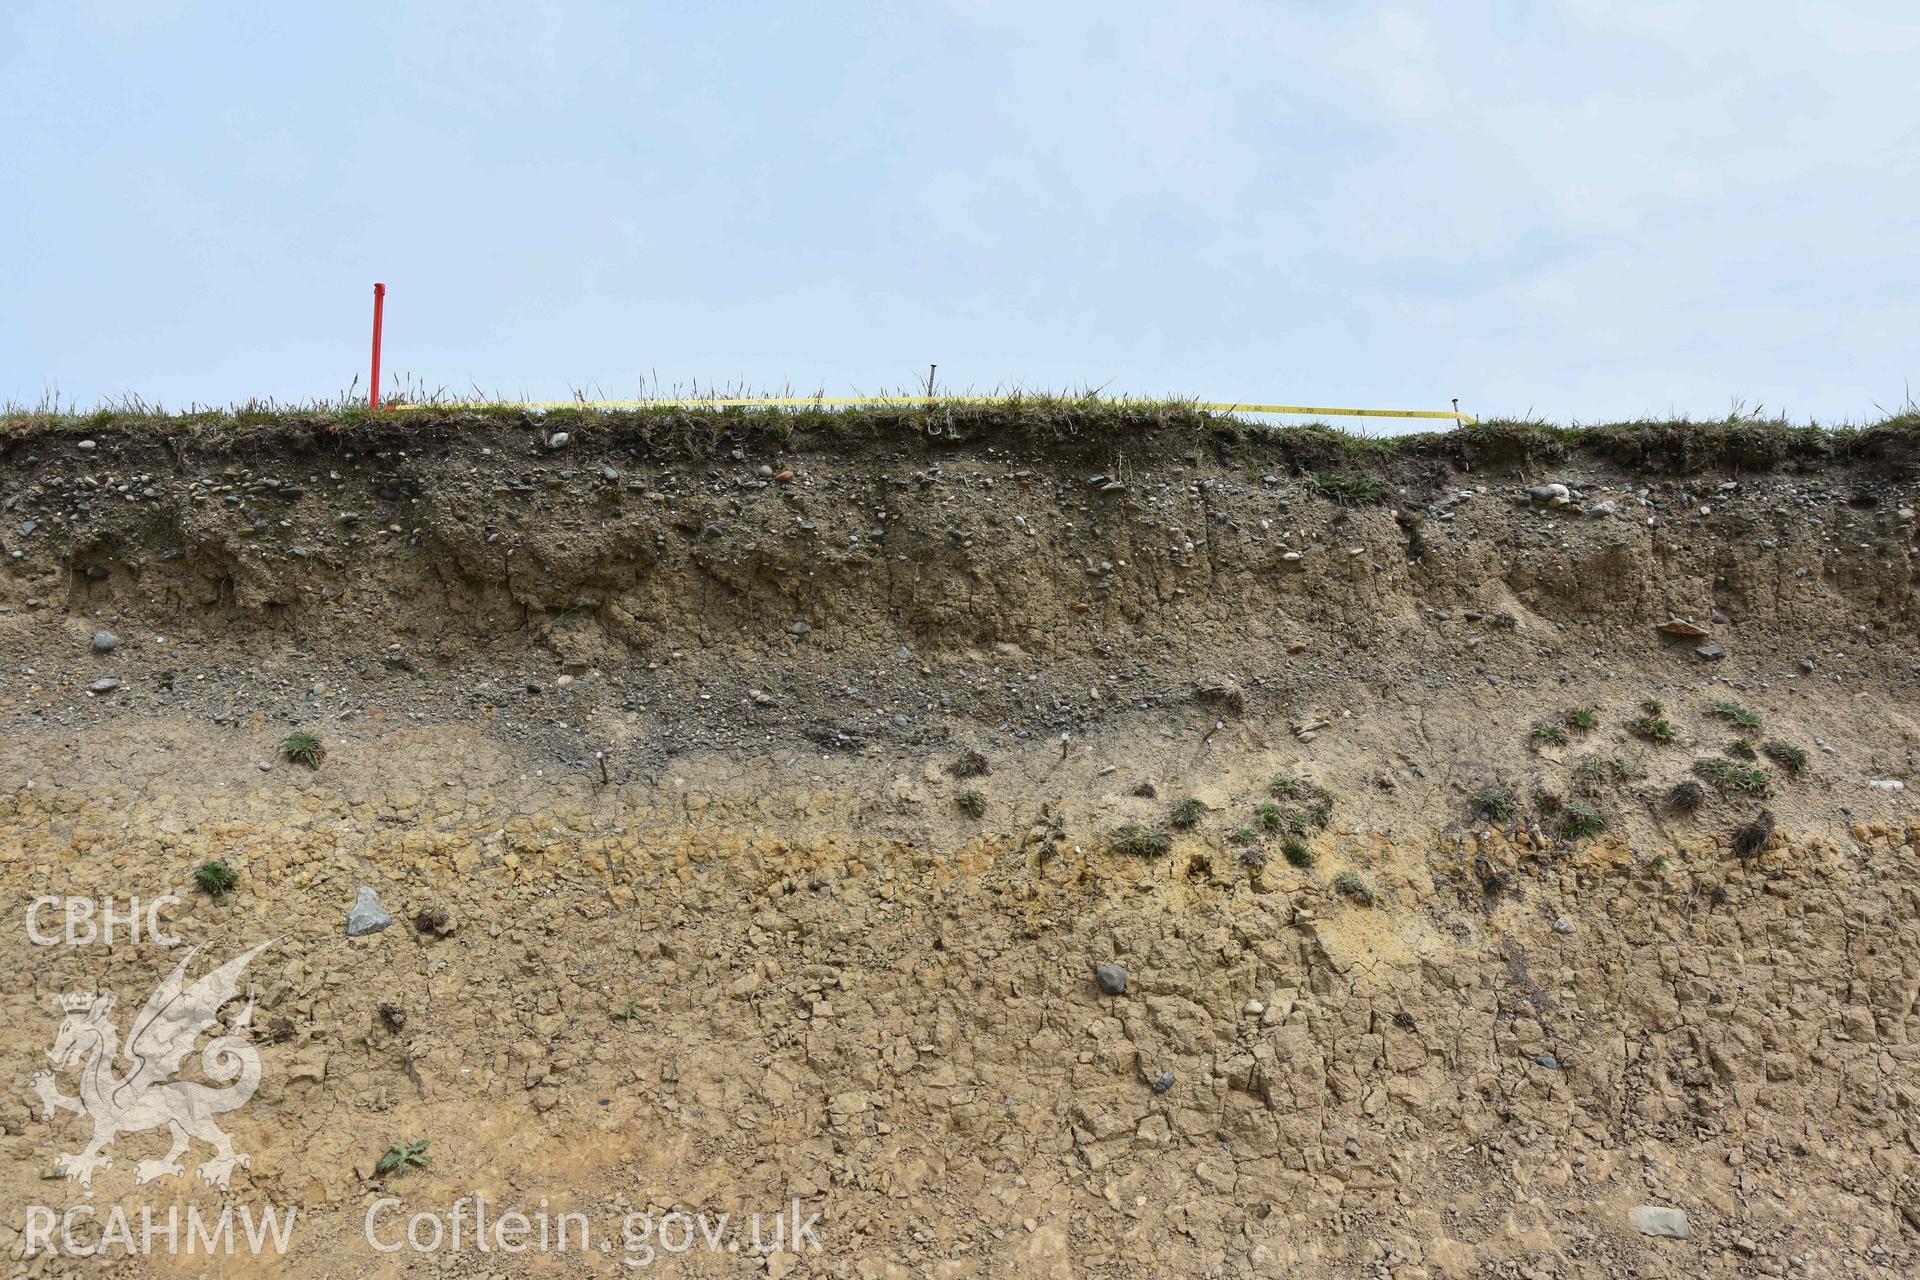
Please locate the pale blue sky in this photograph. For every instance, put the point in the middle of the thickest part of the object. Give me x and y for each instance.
(1587, 210)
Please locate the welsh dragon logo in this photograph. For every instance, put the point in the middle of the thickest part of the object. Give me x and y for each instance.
(146, 1097)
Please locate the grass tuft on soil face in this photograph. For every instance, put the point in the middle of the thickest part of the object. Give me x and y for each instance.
(1495, 801)
(303, 748)
(1686, 797)
(971, 803)
(1651, 725)
(1579, 820)
(1349, 885)
(1789, 757)
(1310, 810)
(1141, 842)
(1731, 778)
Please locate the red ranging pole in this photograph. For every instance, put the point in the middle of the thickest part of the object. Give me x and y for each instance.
(379, 303)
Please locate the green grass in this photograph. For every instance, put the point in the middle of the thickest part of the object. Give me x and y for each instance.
(1349, 885)
(629, 1012)
(303, 748)
(1312, 806)
(1297, 854)
(1270, 816)
(1580, 820)
(1547, 733)
(1495, 801)
(1141, 842)
(1593, 773)
(1186, 815)
(1738, 715)
(971, 803)
(215, 879)
(1650, 725)
(1244, 835)
(1582, 718)
(1652, 707)
(1731, 778)
(402, 1156)
(1789, 757)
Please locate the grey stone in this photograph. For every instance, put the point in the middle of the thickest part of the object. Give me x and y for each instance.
(105, 642)
(559, 440)
(1563, 925)
(1659, 1220)
(105, 684)
(798, 628)
(1712, 652)
(367, 915)
(1548, 1061)
(1112, 978)
(1165, 1082)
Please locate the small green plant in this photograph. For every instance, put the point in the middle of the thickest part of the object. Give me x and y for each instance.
(1495, 801)
(1186, 815)
(1789, 757)
(1548, 733)
(1580, 820)
(630, 1012)
(1297, 854)
(1653, 707)
(1737, 714)
(1742, 748)
(1582, 718)
(1729, 777)
(303, 748)
(1650, 725)
(215, 879)
(1141, 842)
(1244, 835)
(971, 803)
(401, 1157)
(1269, 815)
(1349, 885)
(1314, 803)
(1596, 772)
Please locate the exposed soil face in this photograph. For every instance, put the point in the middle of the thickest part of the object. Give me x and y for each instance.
(660, 745)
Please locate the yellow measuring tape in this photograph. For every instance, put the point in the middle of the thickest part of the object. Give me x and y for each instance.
(795, 402)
